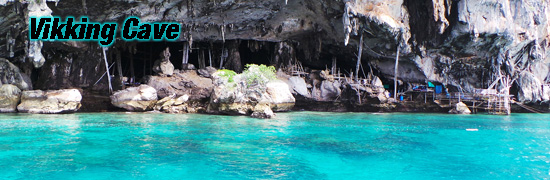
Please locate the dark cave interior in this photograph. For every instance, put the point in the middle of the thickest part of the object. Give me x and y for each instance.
(250, 52)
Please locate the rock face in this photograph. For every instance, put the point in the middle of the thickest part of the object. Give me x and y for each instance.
(531, 90)
(9, 98)
(460, 108)
(10, 74)
(48, 102)
(186, 82)
(141, 98)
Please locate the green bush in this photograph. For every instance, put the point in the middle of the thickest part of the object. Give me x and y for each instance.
(258, 74)
(226, 73)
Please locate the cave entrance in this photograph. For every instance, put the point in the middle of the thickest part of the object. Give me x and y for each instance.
(142, 60)
(139, 63)
(256, 52)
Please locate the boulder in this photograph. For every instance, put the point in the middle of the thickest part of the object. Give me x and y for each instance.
(167, 68)
(330, 90)
(460, 108)
(50, 102)
(238, 98)
(163, 66)
(188, 67)
(207, 72)
(280, 97)
(298, 86)
(10, 74)
(231, 97)
(9, 98)
(164, 103)
(141, 98)
(263, 111)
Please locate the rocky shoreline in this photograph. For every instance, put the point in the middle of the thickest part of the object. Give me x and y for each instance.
(212, 91)
(344, 56)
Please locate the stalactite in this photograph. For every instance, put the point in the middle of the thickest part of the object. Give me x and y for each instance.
(347, 25)
(395, 73)
(84, 7)
(223, 32)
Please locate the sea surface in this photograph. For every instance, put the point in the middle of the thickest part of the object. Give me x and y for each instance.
(296, 145)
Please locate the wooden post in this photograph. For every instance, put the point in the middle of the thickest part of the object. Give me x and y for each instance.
(202, 61)
(118, 62)
(151, 60)
(395, 74)
(333, 65)
(210, 57)
(107, 69)
(359, 58)
(132, 74)
(185, 59)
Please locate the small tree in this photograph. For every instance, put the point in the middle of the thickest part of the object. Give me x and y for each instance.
(226, 73)
(258, 74)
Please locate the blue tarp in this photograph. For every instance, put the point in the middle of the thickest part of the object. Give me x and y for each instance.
(438, 89)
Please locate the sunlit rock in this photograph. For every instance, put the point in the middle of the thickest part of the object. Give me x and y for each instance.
(141, 98)
(51, 101)
(10, 96)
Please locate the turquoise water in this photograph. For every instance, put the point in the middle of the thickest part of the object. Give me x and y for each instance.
(298, 145)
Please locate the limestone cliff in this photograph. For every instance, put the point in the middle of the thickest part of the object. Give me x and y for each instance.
(465, 44)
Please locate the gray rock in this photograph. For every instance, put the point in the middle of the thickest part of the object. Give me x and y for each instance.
(182, 83)
(546, 93)
(298, 86)
(280, 97)
(530, 88)
(10, 96)
(460, 108)
(141, 98)
(330, 90)
(188, 67)
(207, 72)
(167, 68)
(50, 102)
(163, 66)
(262, 110)
(10, 74)
(237, 98)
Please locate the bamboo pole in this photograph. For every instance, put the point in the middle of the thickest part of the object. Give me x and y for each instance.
(107, 69)
(185, 59)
